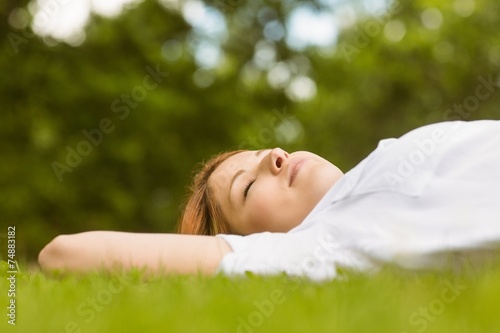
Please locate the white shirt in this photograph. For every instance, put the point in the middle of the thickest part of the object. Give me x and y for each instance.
(412, 202)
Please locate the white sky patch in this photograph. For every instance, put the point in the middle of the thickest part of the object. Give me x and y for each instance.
(207, 54)
(301, 88)
(65, 19)
(109, 8)
(210, 28)
(375, 7)
(60, 19)
(205, 19)
(307, 27)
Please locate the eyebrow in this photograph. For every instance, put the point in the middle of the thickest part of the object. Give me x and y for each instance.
(238, 173)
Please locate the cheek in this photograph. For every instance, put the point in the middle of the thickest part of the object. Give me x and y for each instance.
(267, 208)
(260, 211)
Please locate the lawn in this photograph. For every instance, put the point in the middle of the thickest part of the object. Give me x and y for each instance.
(389, 301)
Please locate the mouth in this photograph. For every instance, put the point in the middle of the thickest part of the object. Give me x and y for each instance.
(294, 168)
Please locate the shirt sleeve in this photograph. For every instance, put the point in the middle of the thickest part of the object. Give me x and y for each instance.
(271, 254)
(315, 253)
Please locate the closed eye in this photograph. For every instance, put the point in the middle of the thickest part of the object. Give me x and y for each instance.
(247, 188)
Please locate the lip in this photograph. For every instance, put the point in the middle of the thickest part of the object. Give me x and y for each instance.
(294, 168)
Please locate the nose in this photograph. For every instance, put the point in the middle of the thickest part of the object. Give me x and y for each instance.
(277, 159)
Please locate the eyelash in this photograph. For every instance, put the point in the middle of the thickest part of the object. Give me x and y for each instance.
(247, 188)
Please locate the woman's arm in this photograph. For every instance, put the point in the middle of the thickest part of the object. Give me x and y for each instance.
(158, 253)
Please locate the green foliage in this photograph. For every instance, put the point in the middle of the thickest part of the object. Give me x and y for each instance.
(368, 88)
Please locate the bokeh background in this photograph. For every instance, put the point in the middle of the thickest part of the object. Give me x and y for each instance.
(108, 107)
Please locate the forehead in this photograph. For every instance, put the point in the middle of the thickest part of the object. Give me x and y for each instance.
(223, 174)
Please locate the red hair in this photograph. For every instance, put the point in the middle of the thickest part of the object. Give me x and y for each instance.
(202, 214)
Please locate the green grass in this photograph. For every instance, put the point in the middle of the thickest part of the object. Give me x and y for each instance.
(390, 301)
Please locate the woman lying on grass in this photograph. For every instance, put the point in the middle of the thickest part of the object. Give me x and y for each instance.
(411, 203)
